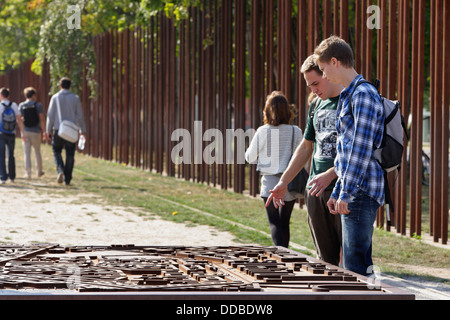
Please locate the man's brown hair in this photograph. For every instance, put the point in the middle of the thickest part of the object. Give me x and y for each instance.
(29, 92)
(4, 92)
(335, 47)
(65, 83)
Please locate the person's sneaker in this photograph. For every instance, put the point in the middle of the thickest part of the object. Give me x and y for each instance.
(3, 182)
(40, 174)
(27, 176)
(60, 178)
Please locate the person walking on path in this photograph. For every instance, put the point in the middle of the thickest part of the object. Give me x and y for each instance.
(271, 148)
(9, 119)
(34, 130)
(64, 105)
(319, 143)
(359, 190)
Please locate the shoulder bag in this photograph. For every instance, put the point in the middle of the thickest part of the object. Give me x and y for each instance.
(298, 184)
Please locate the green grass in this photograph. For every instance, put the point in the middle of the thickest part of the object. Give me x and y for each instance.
(100, 181)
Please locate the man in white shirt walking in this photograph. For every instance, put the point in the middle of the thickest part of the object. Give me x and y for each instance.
(64, 105)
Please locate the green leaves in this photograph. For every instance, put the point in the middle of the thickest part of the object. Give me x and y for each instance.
(44, 30)
(19, 28)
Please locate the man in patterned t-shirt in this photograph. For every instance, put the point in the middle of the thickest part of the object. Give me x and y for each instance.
(320, 143)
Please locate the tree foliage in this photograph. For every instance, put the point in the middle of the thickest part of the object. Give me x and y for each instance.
(19, 28)
(44, 30)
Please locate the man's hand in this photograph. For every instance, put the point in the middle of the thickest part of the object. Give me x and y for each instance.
(320, 182)
(342, 207)
(337, 206)
(277, 195)
(331, 204)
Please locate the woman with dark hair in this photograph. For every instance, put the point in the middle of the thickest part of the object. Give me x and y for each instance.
(271, 149)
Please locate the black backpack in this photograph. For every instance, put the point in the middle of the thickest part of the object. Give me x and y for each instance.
(8, 120)
(30, 115)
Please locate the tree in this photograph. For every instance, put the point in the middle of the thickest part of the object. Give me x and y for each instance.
(61, 31)
(20, 22)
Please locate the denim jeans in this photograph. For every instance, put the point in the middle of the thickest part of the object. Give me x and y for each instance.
(357, 231)
(7, 141)
(58, 144)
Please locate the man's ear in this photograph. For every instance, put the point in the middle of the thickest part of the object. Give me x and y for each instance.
(334, 62)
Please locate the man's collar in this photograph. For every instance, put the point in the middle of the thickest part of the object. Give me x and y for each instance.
(352, 85)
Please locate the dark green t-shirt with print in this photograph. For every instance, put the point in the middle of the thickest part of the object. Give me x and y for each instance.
(321, 129)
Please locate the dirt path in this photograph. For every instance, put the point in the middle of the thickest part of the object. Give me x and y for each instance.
(32, 217)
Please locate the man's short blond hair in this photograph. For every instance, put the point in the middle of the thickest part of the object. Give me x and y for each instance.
(310, 65)
(335, 47)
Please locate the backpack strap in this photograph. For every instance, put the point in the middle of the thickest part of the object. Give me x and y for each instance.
(360, 83)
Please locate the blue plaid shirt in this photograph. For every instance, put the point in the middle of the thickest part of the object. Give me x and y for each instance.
(360, 125)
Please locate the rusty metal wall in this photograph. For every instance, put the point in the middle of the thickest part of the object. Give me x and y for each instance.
(218, 66)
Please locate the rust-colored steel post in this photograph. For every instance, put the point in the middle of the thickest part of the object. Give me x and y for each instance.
(159, 110)
(126, 97)
(417, 118)
(382, 72)
(134, 95)
(445, 122)
(403, 58)
(171, 94)
(313, 36)
(256, 101)
(284, 46)
(392, 83)
(96, 102)
(239, 92)
(302, 53)
(343, 20)
(368, 45)
(108, 99)
(268, 46)
(432, 113)
(436, 193)
(327, 19)
(358, 36)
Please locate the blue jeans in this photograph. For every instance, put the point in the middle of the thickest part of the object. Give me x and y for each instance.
(58, 144)
(7, 141)
(357, 231)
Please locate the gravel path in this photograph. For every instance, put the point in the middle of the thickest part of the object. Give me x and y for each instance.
(31, 217)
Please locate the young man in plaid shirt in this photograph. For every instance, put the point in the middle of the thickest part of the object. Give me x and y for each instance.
(359, 190)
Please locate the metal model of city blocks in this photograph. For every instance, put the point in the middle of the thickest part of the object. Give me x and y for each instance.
(51, 271)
